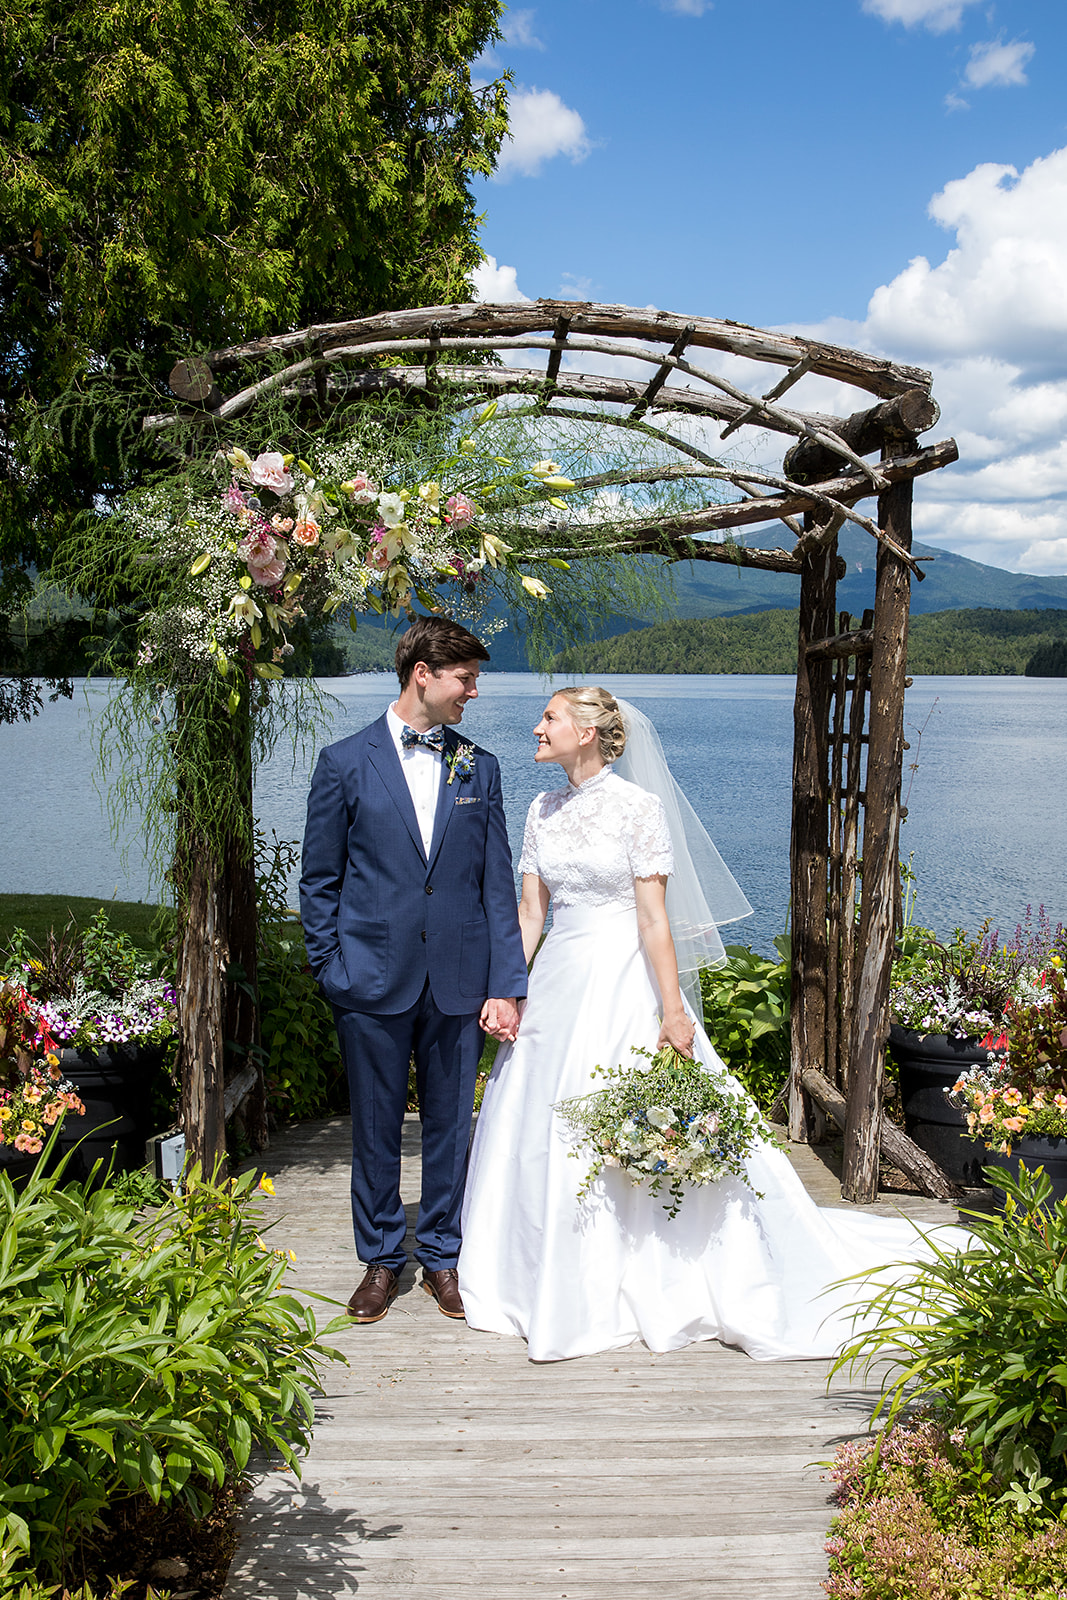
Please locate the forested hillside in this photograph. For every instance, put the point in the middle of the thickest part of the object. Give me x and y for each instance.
(981, 642)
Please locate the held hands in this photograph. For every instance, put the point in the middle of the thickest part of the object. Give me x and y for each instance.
(500, 1019)
(678, 1031)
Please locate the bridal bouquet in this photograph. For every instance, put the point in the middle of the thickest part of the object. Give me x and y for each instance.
(671, 1123)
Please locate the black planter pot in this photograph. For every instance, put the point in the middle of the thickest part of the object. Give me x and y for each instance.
(114, 1085)
(1036, 1151)
(928, 1064)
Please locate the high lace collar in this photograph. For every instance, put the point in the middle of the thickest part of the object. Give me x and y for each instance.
(593, 783)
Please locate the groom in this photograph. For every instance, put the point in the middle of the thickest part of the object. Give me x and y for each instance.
(407, 897)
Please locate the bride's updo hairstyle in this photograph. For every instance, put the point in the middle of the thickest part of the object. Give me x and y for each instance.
(592, 707)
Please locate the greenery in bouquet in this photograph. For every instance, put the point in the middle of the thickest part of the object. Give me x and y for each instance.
(671, 1123)
(34, 1094)
(1021, 1090)
(964, 988)
(93, 989)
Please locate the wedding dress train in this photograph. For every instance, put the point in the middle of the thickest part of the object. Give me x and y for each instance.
(749, 1263)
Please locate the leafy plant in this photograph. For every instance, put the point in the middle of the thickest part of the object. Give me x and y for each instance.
(746, 1014)
(979, 1333)
(138, 1354)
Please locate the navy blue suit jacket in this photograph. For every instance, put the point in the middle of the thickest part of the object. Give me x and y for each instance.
(379, 917)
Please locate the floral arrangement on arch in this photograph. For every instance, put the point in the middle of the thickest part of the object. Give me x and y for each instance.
(283, 539)
(34, 1094)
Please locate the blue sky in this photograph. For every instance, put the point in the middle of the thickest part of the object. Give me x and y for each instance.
(890, 174)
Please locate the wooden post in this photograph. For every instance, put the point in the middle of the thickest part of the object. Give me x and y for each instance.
(808, 846)
(881, 837)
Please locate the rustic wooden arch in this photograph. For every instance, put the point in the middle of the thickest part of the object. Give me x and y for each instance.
(848, 720)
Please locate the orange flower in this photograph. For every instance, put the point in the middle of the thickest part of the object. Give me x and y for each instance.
(1016, 1124)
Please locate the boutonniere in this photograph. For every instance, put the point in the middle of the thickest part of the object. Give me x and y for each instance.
(460, 762)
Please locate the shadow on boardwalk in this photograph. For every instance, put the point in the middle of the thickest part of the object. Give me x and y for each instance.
(445, 1462)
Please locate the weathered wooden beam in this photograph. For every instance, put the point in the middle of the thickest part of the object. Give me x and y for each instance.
(895, 421)
(794, 375)
(809, 838)
(192, 379)
(873, 373)
(660, 376)
(740, 513)
(856, 642)
(881, 839)
(898, 1150)
(559, 334)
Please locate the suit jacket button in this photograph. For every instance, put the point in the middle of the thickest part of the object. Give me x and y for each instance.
(429, 888)
(424, 935)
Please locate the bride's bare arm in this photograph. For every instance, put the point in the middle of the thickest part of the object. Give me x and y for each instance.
(655, 929)
(533, 909)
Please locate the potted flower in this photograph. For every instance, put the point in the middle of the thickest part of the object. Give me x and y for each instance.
(34, 1094)
(111, 1022)
(1015, 1100)
(945, 1000)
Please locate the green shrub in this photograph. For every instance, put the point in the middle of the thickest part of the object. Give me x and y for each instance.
(921, 1519)
(137, 1354)
(979, 1332)
(746, 1014)
(302, 1062)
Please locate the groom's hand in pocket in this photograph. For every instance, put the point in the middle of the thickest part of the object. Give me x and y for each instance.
(500, 1019)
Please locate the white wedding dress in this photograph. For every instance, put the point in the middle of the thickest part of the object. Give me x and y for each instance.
(745, 1263)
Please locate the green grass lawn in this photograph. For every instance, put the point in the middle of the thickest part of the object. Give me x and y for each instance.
(37, 913)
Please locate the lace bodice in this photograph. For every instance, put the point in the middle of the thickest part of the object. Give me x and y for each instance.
(588, 844)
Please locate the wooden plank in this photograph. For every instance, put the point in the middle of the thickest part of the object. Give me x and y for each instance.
(444, 1460)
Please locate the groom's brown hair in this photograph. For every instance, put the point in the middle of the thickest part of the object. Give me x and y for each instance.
(439, 642)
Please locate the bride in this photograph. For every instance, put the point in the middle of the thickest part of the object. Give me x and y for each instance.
(747, 1263)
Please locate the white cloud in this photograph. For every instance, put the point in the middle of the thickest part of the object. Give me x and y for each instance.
(496, 284)
(686, 8)
(1003, 290)
(541, 127)
(990, 319)
(998, 65)
(520, 30)
(937, 15)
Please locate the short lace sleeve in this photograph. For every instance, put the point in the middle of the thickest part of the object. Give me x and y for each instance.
(650, 840)
(528, 858)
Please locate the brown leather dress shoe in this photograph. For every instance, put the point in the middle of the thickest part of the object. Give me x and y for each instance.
(444, 1286)
(374, 1295)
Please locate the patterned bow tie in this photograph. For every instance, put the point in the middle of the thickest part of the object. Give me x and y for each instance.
(434, 740)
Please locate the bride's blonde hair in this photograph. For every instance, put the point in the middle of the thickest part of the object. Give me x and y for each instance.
(593, 707)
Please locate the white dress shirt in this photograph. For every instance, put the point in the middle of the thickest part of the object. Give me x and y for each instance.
(422, 770)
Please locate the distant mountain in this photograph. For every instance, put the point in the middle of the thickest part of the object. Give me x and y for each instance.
(952, 583)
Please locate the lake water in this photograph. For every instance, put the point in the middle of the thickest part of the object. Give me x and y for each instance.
(985, 829)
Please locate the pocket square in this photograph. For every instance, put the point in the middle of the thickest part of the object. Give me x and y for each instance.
(468, 799)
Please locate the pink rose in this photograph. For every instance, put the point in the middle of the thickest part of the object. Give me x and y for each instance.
(259, 545)
(461, 510)
(362, 490)
(267, 574)
(268, 471)
(282, 524)
(306, 532)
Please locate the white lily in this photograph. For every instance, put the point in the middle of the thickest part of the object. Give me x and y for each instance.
(493, 547)
(244, 607)
(430, 494)
(535, 587)
(544, 469)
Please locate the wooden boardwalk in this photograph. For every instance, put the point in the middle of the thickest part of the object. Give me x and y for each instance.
(445, 1462)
